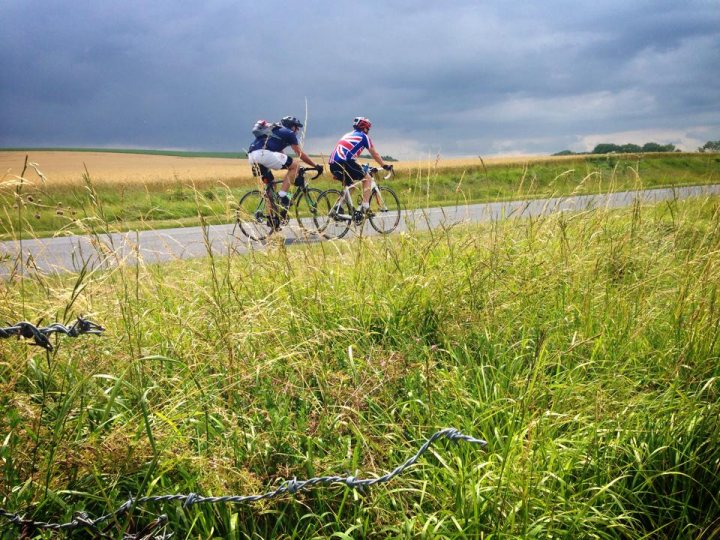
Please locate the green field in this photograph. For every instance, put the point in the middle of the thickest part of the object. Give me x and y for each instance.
(584, 348)
(40, 209)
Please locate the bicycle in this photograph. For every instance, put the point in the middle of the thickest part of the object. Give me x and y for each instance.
(259, 214)
(340, 213)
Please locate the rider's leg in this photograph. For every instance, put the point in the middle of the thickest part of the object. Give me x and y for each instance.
(292, 171)
(367, 190)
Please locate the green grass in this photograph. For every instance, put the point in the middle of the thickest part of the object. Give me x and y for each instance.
(585, 348)
(46, 210)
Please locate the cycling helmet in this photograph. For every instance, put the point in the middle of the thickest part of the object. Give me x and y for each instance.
(291, 122)
(361, 123)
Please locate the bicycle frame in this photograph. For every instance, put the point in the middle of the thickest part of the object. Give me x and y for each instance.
(260, 212)
(341, 213)
(272, 196)
(374, 192)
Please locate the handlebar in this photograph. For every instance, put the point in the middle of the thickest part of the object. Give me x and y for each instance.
(303, 170)
(390, 171)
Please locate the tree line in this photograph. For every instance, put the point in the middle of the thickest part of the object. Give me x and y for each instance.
(610, 148)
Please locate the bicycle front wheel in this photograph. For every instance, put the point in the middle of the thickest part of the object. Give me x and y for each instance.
(384, 214)
(306, 210)
(334, 214)
(253, 216)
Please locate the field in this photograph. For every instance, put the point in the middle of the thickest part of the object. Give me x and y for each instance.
(584, 348)
(150, 191)
(66, 168)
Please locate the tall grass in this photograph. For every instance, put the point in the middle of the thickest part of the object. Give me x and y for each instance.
(131, 203)
(583, 347)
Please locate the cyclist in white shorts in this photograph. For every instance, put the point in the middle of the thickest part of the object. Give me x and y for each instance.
(267, 154)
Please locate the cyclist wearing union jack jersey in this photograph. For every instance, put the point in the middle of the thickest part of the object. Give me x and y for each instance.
(342, 160)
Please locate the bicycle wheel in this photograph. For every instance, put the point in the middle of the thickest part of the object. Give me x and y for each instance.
(384, 214)
(306, 210)
(334, 214)
(253, 217)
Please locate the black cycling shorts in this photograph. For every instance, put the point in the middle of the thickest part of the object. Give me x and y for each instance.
(347, 172)
(263, 172)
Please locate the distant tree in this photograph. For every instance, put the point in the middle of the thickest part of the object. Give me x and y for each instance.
(609, 148)
(606, 148)
(710, 146)
(388, 158)
(564, 153)
(655, 147)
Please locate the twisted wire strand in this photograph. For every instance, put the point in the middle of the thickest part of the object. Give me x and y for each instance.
(291, 487)
(41, 336)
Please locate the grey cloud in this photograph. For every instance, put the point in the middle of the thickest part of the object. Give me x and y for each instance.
(454, 75)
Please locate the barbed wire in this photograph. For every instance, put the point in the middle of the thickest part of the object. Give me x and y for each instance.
(291, 487)
(28, 330)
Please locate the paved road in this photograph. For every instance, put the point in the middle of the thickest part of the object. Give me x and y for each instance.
(71, 253)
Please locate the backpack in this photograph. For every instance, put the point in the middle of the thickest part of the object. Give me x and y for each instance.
(263, 128)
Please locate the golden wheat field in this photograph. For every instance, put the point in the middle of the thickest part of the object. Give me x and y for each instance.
(63, 167)
(67, 167)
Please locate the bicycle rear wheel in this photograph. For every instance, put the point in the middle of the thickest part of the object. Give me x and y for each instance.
(384, 214)
(254, 217)
(334, 214)
(306, 210)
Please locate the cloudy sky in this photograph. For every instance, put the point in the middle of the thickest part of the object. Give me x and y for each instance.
(458, 78)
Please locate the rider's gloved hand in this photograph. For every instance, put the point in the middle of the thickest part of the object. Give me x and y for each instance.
(320, 169)
(388, 167)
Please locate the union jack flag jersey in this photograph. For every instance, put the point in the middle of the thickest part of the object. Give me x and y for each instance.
(350, 146)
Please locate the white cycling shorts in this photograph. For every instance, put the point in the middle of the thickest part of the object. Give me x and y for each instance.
(272, 160)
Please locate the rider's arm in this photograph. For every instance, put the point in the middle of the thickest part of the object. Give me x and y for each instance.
(376, 156)
(302, 155)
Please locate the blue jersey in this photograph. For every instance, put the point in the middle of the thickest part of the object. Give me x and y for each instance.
(350, 146)
(281, 138)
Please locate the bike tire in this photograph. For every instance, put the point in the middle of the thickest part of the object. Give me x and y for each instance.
(334, 214)
(253, 217)
(385, 210)
(306, 210)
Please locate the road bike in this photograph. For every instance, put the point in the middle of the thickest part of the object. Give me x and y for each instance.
(260, 213)
(336, 211)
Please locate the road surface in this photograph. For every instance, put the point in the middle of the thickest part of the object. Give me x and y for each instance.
(71, 253)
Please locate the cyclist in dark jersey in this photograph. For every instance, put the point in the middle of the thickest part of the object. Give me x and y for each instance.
(268, 154)
(342, 160)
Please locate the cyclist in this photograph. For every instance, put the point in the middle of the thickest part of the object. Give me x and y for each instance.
(344, 167)
(268, 154)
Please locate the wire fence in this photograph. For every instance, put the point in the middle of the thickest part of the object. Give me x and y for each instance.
(41, 336)
(289, 487)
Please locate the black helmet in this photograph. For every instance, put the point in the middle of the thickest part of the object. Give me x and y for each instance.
(291, 122)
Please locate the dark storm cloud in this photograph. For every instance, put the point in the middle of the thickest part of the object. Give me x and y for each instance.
(456, 77)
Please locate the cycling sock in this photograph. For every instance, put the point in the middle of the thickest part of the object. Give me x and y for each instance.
(365, 205)
(282, 193)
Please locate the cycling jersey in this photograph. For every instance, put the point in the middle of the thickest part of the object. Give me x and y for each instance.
(282, 138)
(350, 146)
